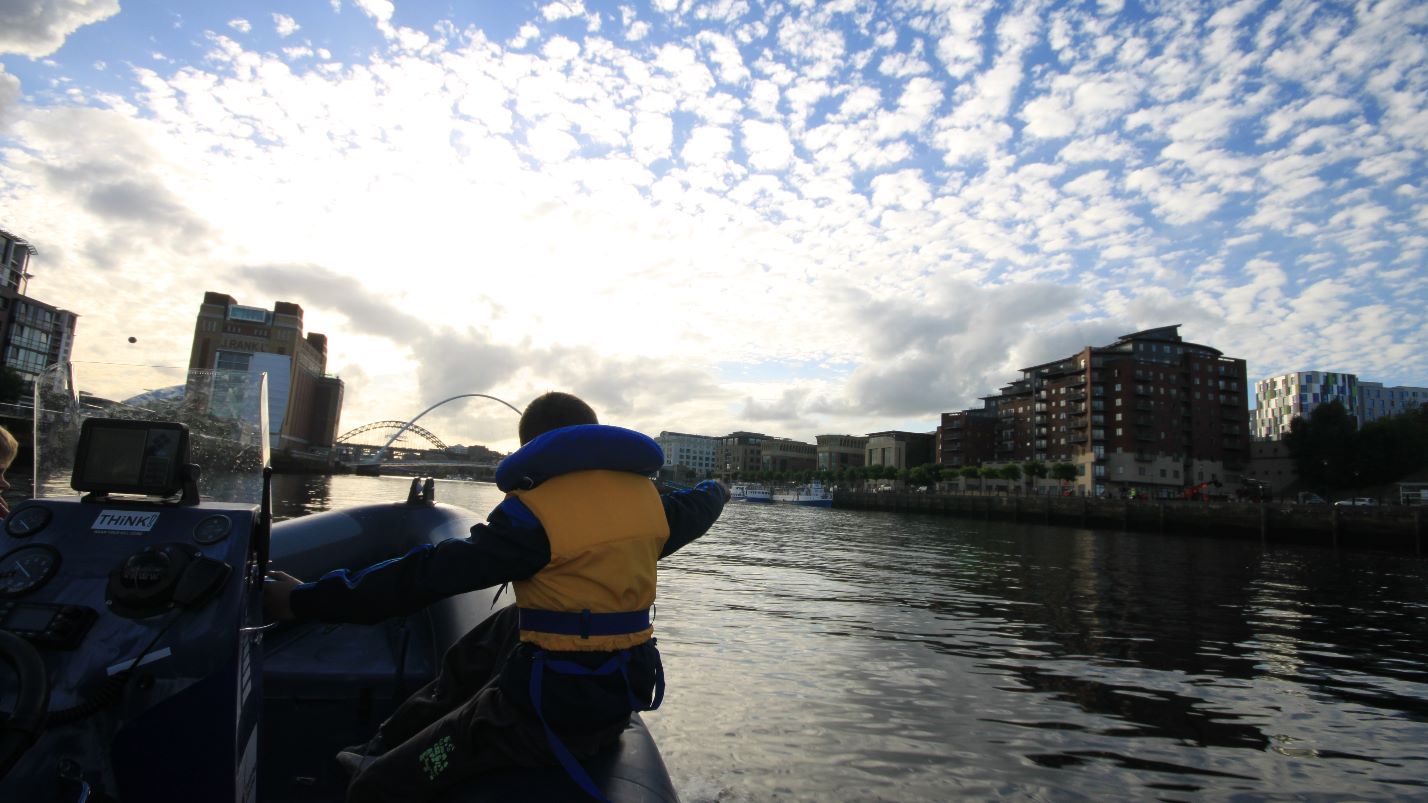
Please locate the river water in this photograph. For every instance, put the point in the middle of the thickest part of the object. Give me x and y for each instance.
(817, 654)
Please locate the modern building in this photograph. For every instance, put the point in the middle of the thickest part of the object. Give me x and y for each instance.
(841, 451)
(783, 454)
(689, 456)
(740, 452)
(1377, 401)
(967, 438)
(1280, 399)
(901, 449)
(1149, 411)
(304, 402)
(36, 335)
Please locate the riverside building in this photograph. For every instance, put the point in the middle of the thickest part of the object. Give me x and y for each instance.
(784, 454)
(688, 456)
(901, 449)
(1280, 399)
(841, 451)
(1149, 411)
(36, 335)
(304, 402)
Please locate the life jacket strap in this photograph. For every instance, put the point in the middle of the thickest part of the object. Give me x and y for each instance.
(584, 623)
(619, 662)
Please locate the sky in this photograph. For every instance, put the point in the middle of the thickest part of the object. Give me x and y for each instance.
(793, 217)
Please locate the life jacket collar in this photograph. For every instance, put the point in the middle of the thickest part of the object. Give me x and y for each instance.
(583, 447)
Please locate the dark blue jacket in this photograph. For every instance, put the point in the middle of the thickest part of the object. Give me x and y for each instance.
(510, 546)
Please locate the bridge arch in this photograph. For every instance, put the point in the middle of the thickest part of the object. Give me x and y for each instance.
(382, 453)
(402, 426)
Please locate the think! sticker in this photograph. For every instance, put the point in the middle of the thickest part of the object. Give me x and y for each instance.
(433, 759)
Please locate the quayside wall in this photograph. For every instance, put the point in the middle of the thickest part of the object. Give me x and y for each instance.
(1392, 527)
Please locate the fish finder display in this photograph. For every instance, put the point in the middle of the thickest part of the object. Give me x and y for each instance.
(130, 457)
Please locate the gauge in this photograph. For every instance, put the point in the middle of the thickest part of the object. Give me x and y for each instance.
(27, 521)
(25, 569)
(213, 529)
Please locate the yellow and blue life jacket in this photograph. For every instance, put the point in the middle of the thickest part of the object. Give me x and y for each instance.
(588, 487)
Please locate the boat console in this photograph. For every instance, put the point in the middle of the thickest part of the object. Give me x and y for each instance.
(135, 665)
(130, 617)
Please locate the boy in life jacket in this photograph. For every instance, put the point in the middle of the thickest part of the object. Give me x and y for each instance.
(553, 678)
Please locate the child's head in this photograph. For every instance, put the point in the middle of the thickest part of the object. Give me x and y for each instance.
(553, 410)
(9, 447)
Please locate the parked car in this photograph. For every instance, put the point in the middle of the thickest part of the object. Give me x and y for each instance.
(1361, 501)
(1307, 498)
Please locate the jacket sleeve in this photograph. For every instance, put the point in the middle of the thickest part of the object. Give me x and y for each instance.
(511, 545)
(691, 512)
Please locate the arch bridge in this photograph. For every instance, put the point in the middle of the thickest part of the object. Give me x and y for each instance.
(397, 425)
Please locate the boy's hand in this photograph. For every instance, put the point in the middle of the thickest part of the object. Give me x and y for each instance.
(277, 593)
(723, 491)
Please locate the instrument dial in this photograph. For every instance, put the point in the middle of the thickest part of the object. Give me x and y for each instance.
(27, 521)
(25, 569)
(213, 529)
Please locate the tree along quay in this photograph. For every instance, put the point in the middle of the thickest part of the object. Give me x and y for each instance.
(1391, 527)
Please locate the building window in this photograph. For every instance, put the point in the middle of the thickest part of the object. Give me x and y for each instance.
(250, 314)
(232, 361)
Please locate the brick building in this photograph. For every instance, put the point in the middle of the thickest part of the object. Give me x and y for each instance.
(1149, 411)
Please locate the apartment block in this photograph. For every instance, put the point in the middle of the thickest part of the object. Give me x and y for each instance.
(33, 335)
(1149, 411)
(966, 438)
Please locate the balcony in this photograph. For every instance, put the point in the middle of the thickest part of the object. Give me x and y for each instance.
(1144, 405)
(1144, 457)
(1078, 438)
(1145, 436)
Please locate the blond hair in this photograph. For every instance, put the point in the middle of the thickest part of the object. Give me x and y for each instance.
(9, 448)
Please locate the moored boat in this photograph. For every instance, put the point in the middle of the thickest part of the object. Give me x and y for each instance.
(811, 495)
(750, 492)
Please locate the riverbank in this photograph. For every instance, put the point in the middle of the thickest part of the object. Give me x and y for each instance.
(1392, 527)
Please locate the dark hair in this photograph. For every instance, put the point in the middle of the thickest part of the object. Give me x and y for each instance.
(553, 410)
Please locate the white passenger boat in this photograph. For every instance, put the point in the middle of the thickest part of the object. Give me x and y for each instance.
(750, 492)
(811, 495)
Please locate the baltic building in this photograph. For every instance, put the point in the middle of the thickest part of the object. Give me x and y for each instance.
(304, 402)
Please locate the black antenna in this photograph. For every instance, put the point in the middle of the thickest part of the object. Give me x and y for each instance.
(265, 522)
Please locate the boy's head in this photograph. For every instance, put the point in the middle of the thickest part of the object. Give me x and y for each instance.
(553, 410)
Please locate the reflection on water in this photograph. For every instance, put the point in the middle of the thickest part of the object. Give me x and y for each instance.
(840, 655)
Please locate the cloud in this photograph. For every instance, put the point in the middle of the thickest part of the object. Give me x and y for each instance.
(38, 29)
(284, 25)
(9, 95)
(927, 195)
